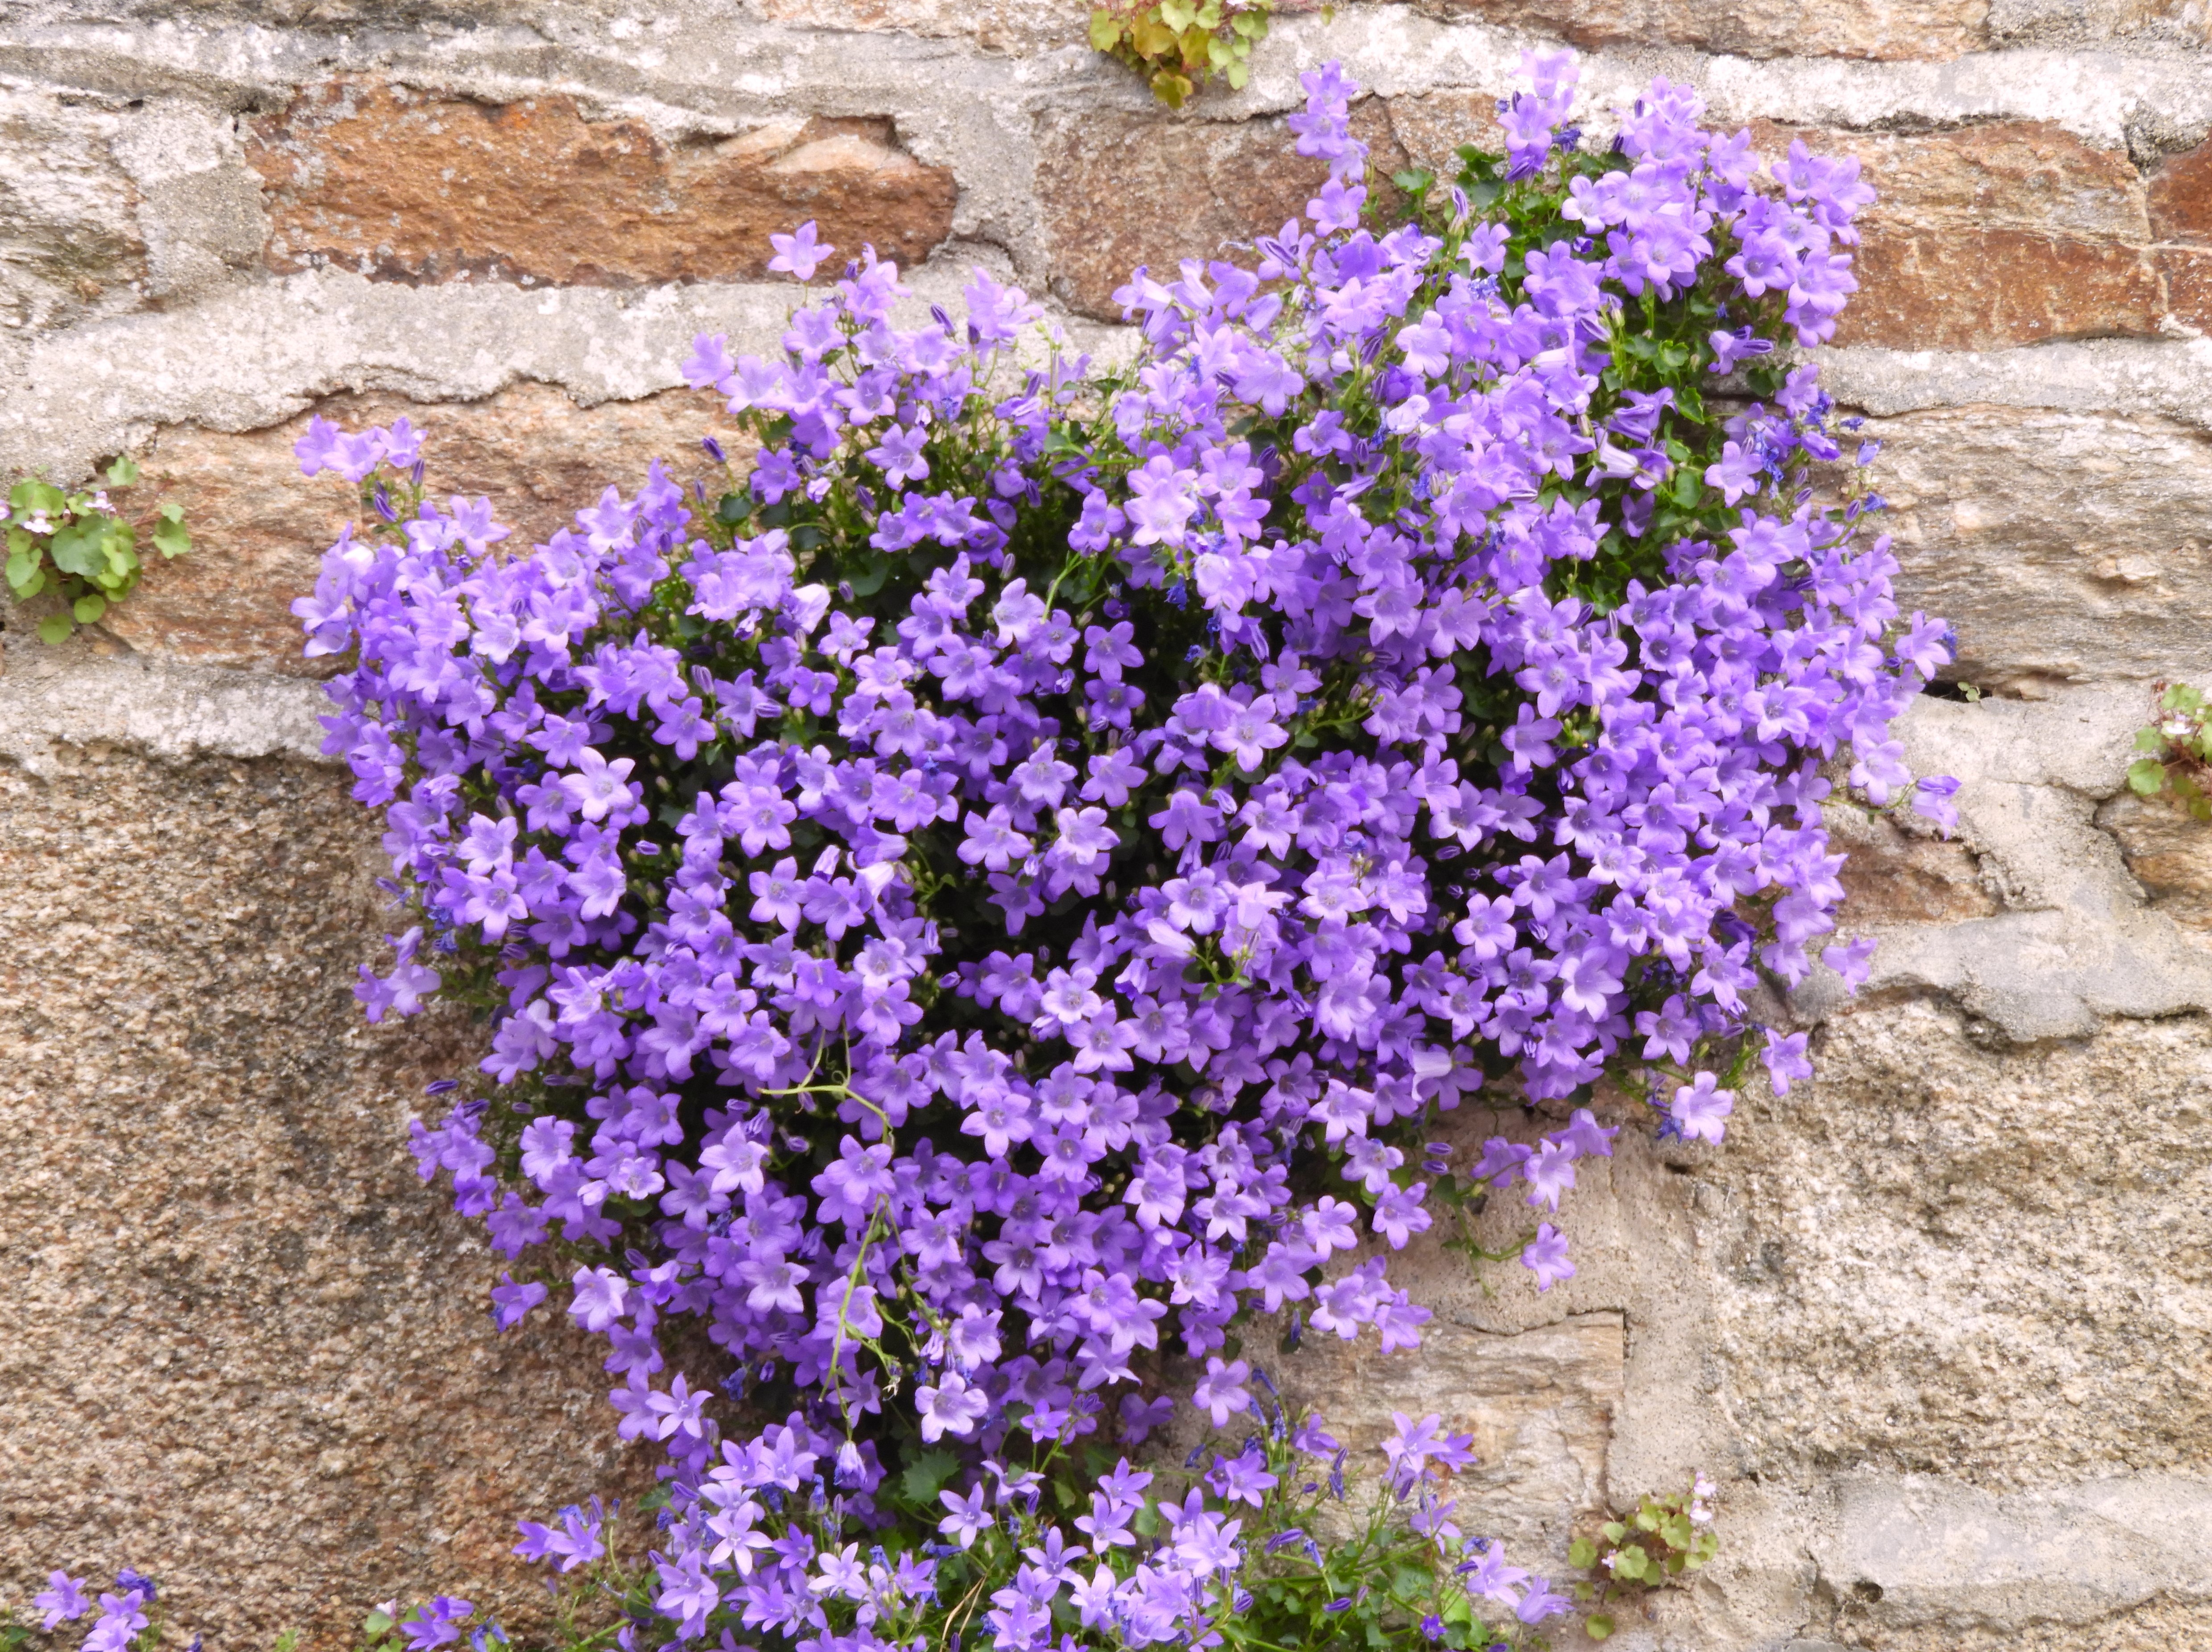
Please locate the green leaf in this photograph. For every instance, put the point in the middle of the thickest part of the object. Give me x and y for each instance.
(55, 628)
(2146, 776)
(77, 549)
(1597, 1627)
(24, 575)
(927, 1474)
(2149, 739)
(88, 609)
(1105, 31)
(28, 497)
(1582, 1554)
(123, 472)
(170, 537)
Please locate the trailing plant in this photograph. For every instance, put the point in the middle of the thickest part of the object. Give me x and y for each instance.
(1009, 894)
(1659, 1546)
(78, 546)
(1177, 45)
(2178, 751)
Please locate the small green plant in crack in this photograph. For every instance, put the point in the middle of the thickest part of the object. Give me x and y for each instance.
(1178, 45)
(1660, 1545)
(80, 547)
(2177, 752)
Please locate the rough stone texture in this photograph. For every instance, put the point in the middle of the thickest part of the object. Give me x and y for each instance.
(69, 233)
(2169, 854)
(1894, 875)
(388, 182)
(1131, 190)
(258, 529)
(241, 1337)
(2179, 197)
(994, 25)
(1756, 28)
(2064, 547)
(2137, 25)
(2003, 234)
(1539, 1404)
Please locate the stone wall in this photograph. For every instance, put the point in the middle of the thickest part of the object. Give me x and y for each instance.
(1936, 1322)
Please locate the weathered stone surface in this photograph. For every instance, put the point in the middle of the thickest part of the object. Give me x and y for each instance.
(1894, 876)
(1539, 1404)
(1946, 1255)
(2137, 25)
(374, 177)
(245, 1350)
(199, 206)
(1119, 190)
(994, 25)
(260, 529)
(2180, 197)
(2165, 851)
(69, 231)
(2073, 943)
(1428, 127)
(2009, 233)
(1939, 1553)
(2062, 547)
(2186, 272)
(1989, 291)
(1754, 28)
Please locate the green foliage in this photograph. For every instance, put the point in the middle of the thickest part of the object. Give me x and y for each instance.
(2178, 744)
(81, 548)
(1658, 1547)
(1177, 44)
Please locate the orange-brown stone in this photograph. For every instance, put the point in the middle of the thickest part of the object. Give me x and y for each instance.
(1991, 292)
(400, 186)
(2187, 273)
(260, 529)
(1754, 29)
(2010, 233)
(2181, 198)
(1121, 190)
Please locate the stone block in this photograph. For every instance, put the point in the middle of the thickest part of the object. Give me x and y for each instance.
(1950, 1254)
(1936, 29)
(1121, 190)
(1896, 876)
(260, 529)
(994, 25)
(2009, 232)
(246, 1350)
(2180, 197)
(68, 212)
(1933, 1552)
(373, 178)
(1539, 1402)
(1994, 290)
(2064, 547)
(2135, 26)
(2165, 851)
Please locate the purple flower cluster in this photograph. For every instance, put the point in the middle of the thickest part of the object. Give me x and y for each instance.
(1008, 893)
(120, 1614)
